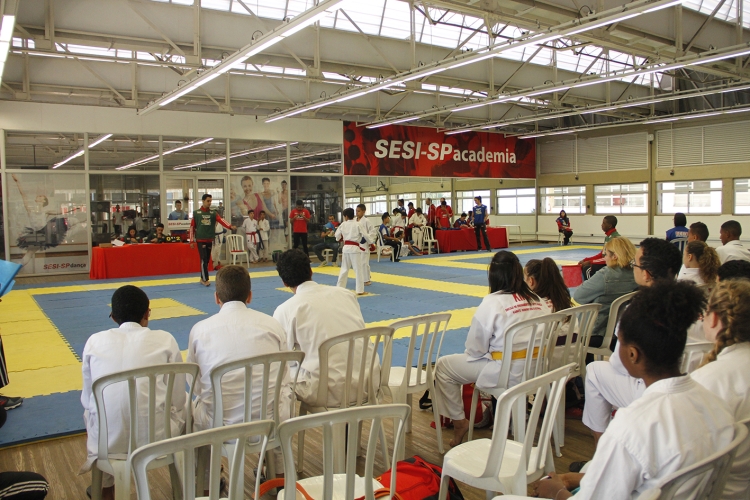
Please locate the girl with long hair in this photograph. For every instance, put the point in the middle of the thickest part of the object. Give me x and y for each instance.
(544, 278)
(727, 324)
(563, 226)
(509, 302)
(700, 264)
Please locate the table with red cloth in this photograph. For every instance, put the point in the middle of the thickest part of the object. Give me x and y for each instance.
(451, 240)
(144, 259)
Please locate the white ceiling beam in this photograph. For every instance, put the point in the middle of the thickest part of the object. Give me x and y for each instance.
(264, 42)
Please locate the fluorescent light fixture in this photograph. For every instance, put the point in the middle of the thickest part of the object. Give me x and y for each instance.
(659, 7)
(337, 162)
(292, 158)
(6, 28)
(719, 58)
(80, 151)
(165, 153)
(271, 38)
(233, 155)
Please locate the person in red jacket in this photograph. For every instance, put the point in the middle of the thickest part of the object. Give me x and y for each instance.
(431, 213)
(444, 214)
(299, 216)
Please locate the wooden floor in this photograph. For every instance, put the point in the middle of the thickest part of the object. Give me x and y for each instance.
(59, 460)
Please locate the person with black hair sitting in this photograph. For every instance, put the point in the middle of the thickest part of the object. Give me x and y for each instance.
(679, 230)
(389, 240)
(510, 301)
(734, 269)
(674, 424)
(157, 235)
(608, 384)
(590, 265)
(731, 248)
(131, 345)
(131, 237)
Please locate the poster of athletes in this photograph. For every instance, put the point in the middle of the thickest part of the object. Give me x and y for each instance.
(267, 193)
(425, 152)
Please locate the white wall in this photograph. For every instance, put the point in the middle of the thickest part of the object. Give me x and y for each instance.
(527, 223)
(587, 228)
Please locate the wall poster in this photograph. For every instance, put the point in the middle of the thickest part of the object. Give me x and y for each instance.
(425, 152)
(269, 193)
(48, 222)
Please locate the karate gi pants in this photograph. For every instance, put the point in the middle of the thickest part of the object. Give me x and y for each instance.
(418, 236)
(451, 373)
(252, 249)
(216, 251)
(352, 261)
(607, 389)
(365, 263)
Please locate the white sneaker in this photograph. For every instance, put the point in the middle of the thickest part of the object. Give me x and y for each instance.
(323, 264)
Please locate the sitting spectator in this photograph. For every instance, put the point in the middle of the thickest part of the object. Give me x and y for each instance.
(563, 226)
(727, 323)
(732, 249)
(591, 265)
(612, 282)
(235, 332)
(470, 219)
(329, 241)
(444, 214)
(698, 232)
(461, 222)
(389, 240)
(509, 302)
(132, 345)
(679, 230)
(734, 269)
(545, 280)
(313, 315)
(700, 264)
(417, 224)
(157, 235)
(131, 237)
(675, 424)
(406, 247)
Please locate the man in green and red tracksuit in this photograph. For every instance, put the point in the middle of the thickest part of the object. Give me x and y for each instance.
(202, 231)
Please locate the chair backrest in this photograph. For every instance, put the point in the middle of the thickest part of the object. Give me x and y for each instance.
(186, 446)
(235, 243)
(423, 348)
(256, 365)
(353, 417)
(428, 233)
(679, 243)
(538, 336)
(708, 476)
(693, 356)
(362, 361)
(581, 321)
(168, 374)
(615, 311)
(548, 388)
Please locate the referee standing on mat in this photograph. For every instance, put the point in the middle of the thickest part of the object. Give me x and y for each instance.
(202, 231)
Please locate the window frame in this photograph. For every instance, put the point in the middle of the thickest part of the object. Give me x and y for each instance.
(565, 195)
(516, 196)
(734, 208)
(462, 196)
(690, 192)
(623, 195)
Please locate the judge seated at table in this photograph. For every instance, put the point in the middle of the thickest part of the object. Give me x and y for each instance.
(131, 236)
(156, 235)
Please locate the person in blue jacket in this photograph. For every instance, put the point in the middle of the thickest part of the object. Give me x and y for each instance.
(480, 223)
(679, 230)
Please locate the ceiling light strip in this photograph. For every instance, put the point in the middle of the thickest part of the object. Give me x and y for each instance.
(566, 29)
(299, 22)
(165, 153)
(80, 152)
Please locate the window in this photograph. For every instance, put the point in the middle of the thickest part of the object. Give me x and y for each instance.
(466, 199)
(435, 197)
(353, 202)
(407, 197)
(621, 199)
(571, 199)
(516, 201)
(742, 196)
(375, 204)
(690, 197)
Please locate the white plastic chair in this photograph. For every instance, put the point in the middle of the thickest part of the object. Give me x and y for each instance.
(425, 341)
(504, 465)
(694, 355)
(256, 365)
(236, 248)
(428, 240)
(359, 370)
(680, 243)
(347, 484)
(167, 375)
(707, 477)
(615, 311)
(538, 335)
(381, 245)
(581, 321)
(186, 447)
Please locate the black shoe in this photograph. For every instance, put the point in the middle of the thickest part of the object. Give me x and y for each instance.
(397, 260)
(8, 403)
(425, 403)
(88, 490)
(576, 466)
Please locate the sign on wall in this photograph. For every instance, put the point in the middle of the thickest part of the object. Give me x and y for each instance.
(425, 152)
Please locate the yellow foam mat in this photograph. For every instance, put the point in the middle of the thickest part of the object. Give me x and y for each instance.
(169, 308)
(45, 381)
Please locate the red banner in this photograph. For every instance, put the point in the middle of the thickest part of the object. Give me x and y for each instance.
(424, 152)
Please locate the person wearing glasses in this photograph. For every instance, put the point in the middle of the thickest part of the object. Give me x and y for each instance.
(131, 345)
(610, 283)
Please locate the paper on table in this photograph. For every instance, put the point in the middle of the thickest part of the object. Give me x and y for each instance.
(118, 243)
(8, 271)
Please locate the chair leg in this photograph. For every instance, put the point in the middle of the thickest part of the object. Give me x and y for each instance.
(558, 430)
(301, 443)
(444, 484)
(174, 476)
(407, 424)
(339, 448)
(122, 480)
(473, 413)
(436, 415)
(519, 419)
(96, 483)
(384, 446)
(204, 454)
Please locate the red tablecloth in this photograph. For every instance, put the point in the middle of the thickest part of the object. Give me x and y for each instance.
(465, 239)
(145, 259)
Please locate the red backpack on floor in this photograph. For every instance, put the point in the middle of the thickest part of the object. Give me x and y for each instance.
(417, 479)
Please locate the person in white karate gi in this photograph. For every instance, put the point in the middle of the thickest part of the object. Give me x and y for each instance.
(235, 332)
(349, 234)
(509, 302)
(674, 424)
(727, 323)
(131, 345)
(608, 384)
(219, 232)
(250, 225)
(313, 315)
(731, 248)
(263, 231)
(417, 222)
(369, 235)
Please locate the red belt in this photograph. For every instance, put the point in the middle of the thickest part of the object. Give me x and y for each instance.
(353, 243)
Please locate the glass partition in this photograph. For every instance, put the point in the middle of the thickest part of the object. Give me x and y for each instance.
(309, 158)
(122, 201)
(195, 154)
(257, 156)
(266, 193)
(125, 152)
(322, 196)
(44, 151)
